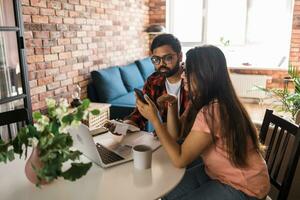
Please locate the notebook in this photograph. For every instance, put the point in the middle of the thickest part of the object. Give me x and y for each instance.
(105, 153)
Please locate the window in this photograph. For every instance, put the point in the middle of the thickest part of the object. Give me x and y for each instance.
(251, 33)
(14, 94)
(183, 29)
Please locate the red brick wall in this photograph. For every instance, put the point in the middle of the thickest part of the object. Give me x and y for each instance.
(67, 39)
(157, 12)
(295, 41)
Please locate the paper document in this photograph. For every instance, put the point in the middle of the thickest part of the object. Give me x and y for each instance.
(145, 139)
(131, 128)
(121, 128)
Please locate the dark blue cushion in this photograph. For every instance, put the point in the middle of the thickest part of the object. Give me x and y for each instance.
(108, 84)
(127, 99)
(120, 111)
(92, 94)
(131, 76)
(146, 67)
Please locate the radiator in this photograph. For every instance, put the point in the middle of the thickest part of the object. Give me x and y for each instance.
(244, 85)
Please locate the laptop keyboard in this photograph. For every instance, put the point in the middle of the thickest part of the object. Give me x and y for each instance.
(107, 155)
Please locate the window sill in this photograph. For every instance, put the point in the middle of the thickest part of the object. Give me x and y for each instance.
(257, 68)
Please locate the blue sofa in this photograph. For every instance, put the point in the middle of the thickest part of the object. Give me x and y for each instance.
(114, 85)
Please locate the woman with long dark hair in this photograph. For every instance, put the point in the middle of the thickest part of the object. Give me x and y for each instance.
(222, 134)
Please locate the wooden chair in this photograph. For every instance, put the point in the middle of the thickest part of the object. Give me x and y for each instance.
(13, 120)
(282, 139)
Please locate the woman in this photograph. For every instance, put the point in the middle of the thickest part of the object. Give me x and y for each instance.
(222, 134)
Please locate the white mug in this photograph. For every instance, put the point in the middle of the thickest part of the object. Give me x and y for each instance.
(142, 156)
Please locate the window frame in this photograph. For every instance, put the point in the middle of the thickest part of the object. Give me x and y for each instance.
(19, 30)
(169, 25)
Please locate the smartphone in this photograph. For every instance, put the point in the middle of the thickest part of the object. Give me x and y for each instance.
(140, 95)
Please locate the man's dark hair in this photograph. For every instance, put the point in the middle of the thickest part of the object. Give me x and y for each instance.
(166, 39)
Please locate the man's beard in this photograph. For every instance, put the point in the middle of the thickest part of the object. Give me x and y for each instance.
(168, 72)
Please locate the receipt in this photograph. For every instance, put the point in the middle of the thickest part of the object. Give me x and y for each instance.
(131, 128)
(121, 128)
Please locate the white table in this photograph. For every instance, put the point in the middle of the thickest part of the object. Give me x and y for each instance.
(118, 182)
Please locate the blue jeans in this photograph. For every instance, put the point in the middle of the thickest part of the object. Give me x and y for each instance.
(196, 185)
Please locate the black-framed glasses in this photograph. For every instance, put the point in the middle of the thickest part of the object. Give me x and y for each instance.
(167, 59)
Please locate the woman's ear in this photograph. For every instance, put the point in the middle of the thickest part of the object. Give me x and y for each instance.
(180, 57)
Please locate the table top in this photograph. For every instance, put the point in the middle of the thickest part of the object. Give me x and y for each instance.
(118, 182)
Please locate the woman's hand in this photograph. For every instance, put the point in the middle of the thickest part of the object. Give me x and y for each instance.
(149, 111)
(166, 98)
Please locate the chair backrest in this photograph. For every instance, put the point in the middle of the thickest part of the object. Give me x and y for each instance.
(282, 139)
(12, 121)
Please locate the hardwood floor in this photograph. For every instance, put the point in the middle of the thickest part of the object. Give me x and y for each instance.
(256, 111)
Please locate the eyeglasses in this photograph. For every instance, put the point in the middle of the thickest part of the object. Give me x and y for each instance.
(167, 59)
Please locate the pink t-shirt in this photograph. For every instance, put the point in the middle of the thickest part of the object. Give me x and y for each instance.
(252, 180)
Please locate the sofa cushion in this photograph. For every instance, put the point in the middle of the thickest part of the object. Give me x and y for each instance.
(127, 99)
(131, 76)
(92, 94)
(108, 84)
(146, 67)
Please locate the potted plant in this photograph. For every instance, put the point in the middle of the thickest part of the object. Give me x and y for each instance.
(290, 100)
(51, 143)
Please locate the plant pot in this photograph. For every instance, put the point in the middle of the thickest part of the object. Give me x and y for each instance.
(35, 161)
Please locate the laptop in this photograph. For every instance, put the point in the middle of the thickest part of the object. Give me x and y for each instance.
(108, 152)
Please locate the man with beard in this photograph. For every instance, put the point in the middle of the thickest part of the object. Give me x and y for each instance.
(166, 82)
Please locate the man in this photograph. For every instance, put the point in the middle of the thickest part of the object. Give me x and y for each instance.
(166, 57)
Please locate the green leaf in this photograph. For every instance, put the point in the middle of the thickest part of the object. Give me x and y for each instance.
(5, 152)
(76, 171)
(20, 140)
(54, 127)
(50, 155)
(43, 142)
(297, 85)
(51, 112)
(54, 147)
(69, 140)
(32, 132)
(37, 115)
(74, 155)
(62, 141)
(95, 112)
(2, 157)
(10, 155)
(85, 104)
(67, 119)
(260, 88)
(293, 71)
(79, 115)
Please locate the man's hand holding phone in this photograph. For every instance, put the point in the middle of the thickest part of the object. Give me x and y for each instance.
(140, 95)
(146, 106)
